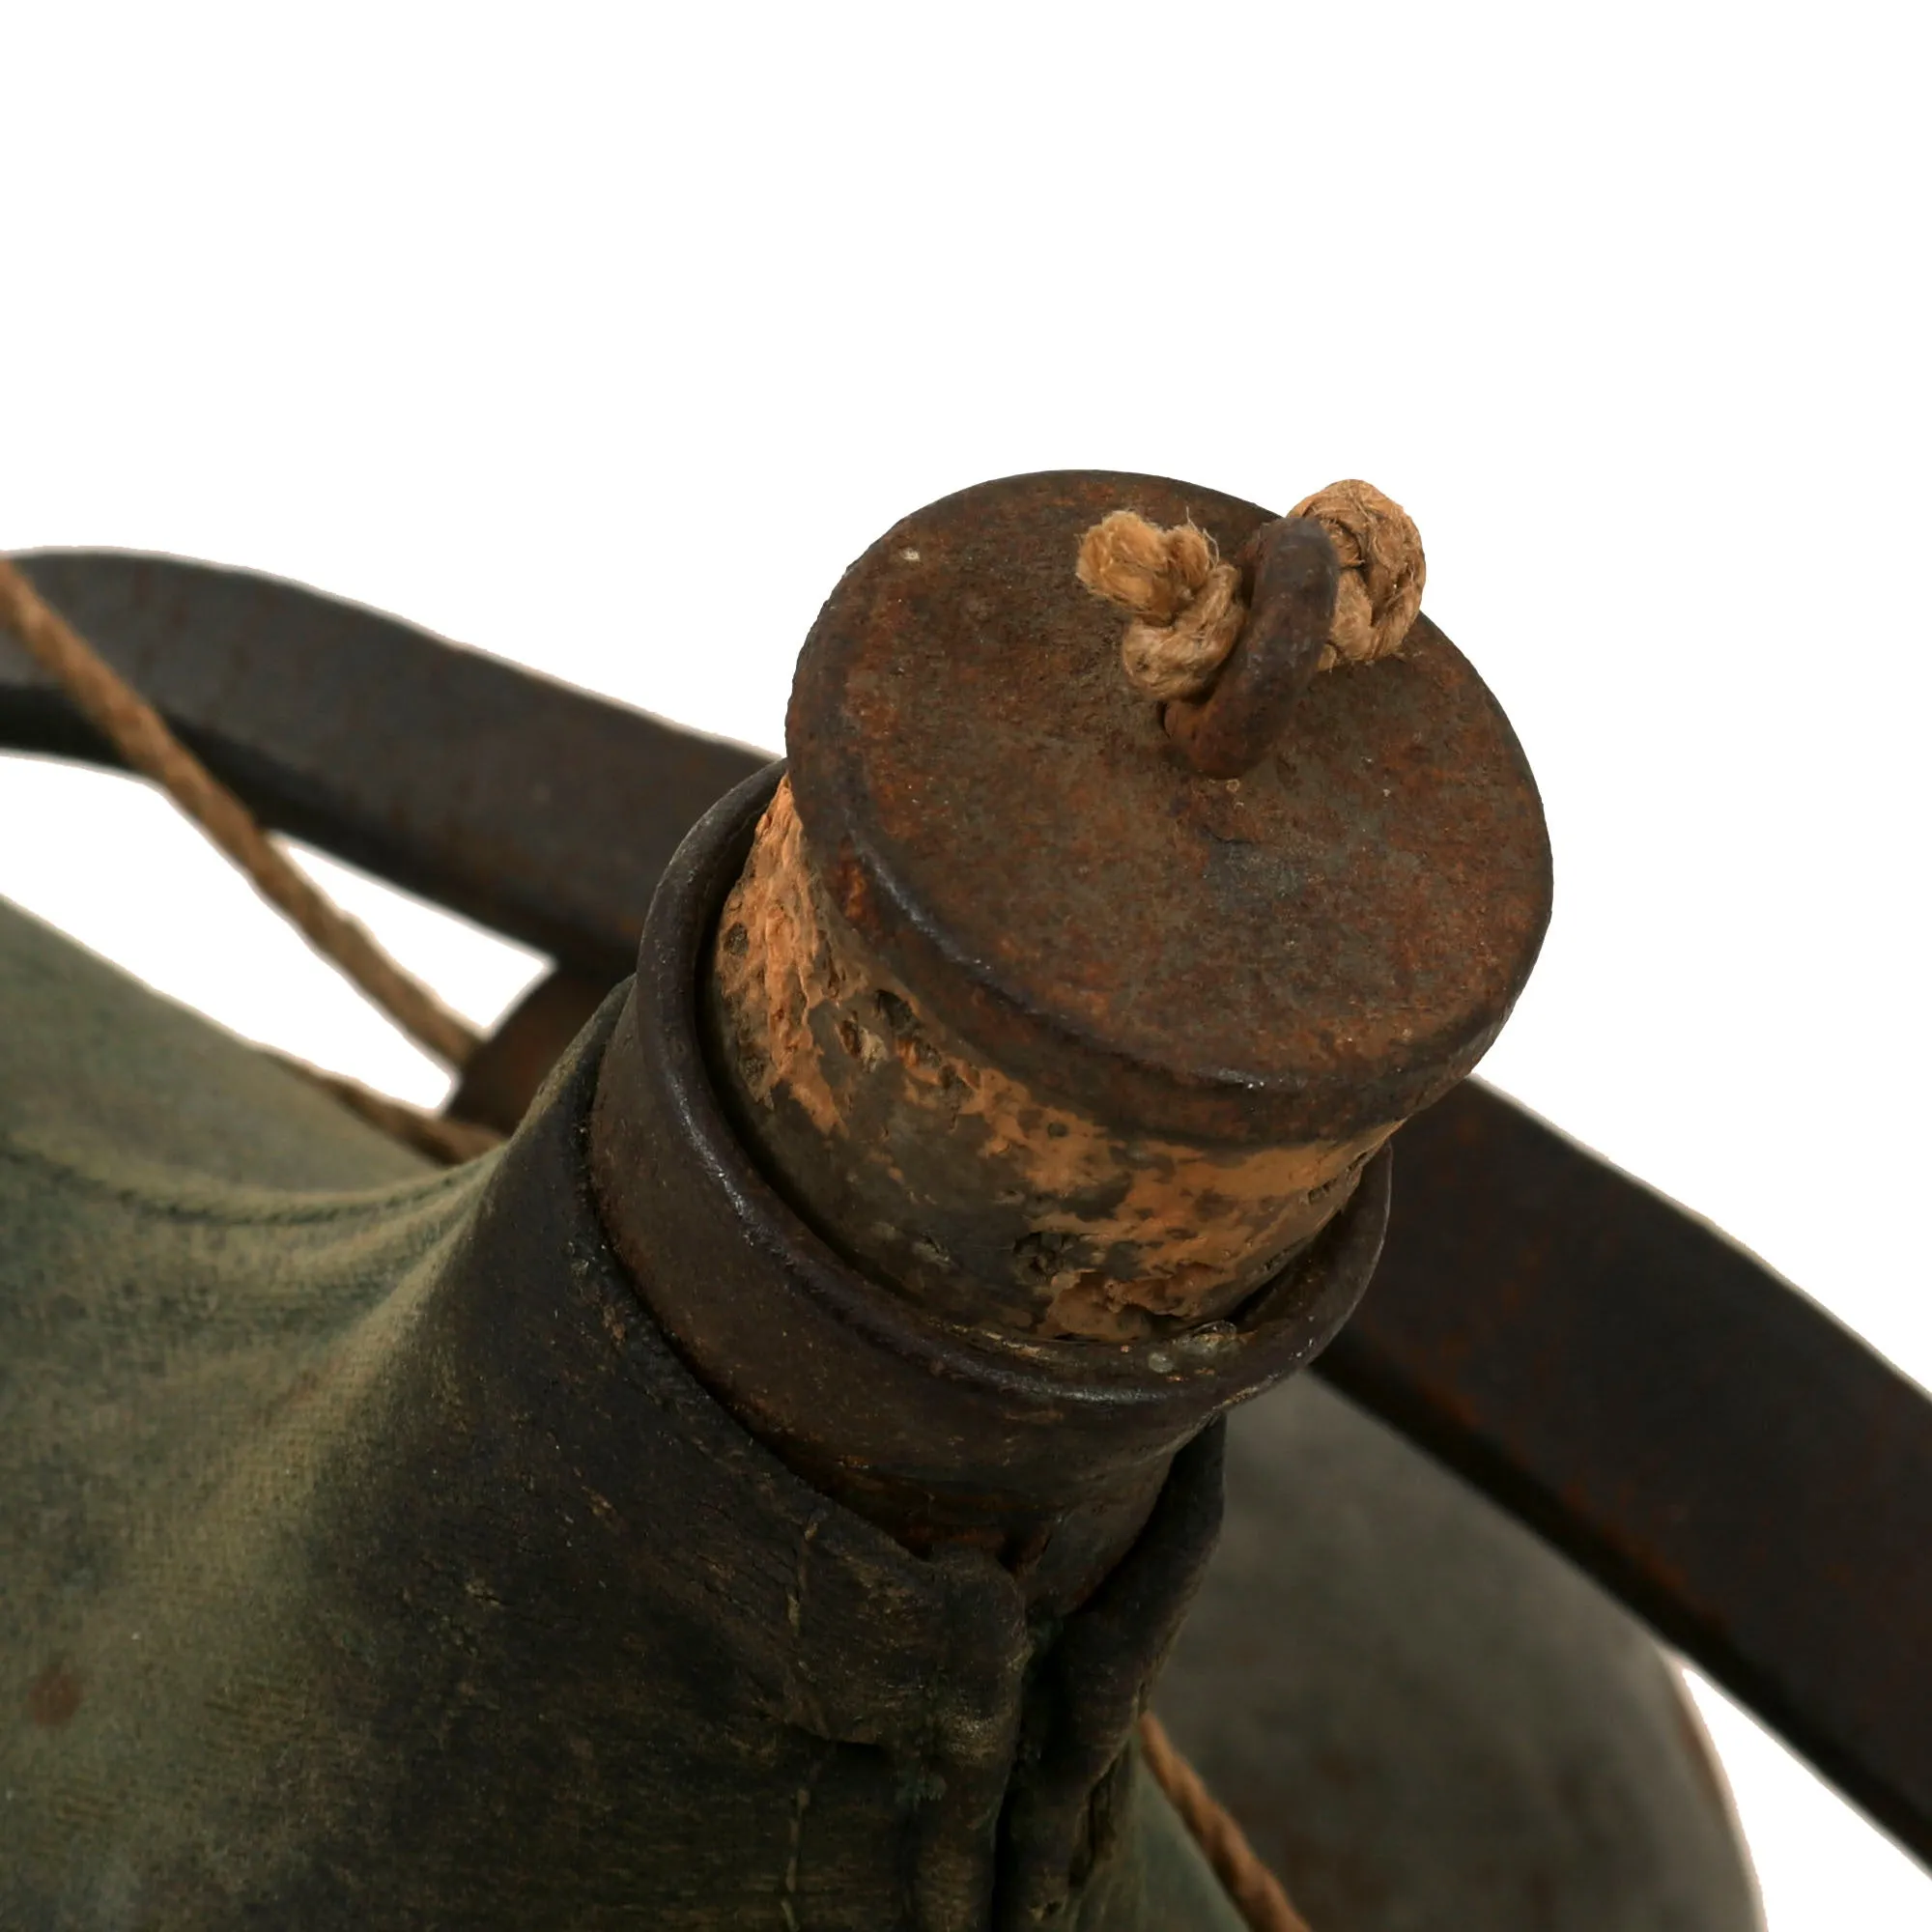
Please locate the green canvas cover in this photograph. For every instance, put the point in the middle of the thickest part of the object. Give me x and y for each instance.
(366, 1558)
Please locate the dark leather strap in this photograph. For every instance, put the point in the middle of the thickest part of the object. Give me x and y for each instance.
(535, 810)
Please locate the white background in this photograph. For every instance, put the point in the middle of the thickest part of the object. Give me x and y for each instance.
(602, 337)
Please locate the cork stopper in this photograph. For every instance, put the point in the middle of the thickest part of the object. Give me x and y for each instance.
(1043, 1027)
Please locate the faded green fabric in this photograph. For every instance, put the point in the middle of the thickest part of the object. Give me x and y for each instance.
(187, 1230)
(1161, 1883)
(235, 1322)
(97, 1072)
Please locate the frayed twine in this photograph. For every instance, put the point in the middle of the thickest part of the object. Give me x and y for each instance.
(1186, 603)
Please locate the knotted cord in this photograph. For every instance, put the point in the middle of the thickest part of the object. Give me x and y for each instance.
(1186, 603)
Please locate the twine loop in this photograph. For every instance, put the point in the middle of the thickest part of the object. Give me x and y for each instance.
(1186, 602)
(1185, 605)
(1379, 549)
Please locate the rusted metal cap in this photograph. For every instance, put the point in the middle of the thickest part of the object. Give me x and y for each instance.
(1319, 948)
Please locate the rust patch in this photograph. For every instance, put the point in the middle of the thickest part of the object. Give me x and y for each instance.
(54, 1696)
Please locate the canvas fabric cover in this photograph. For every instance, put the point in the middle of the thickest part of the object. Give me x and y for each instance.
(367, 1558)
